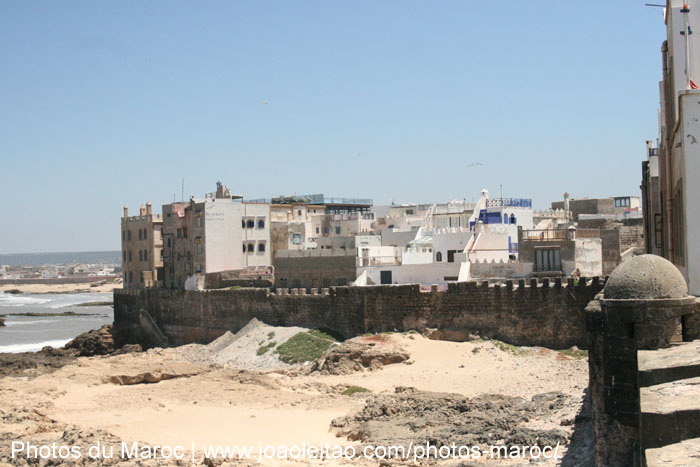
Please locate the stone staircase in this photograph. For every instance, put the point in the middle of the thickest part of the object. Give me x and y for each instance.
(669, 381)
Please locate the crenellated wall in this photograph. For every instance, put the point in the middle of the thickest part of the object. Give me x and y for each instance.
(545, 313)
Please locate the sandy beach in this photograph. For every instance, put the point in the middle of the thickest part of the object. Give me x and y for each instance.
(184, 397)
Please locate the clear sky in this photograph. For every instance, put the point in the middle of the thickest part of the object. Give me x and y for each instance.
(104, 104)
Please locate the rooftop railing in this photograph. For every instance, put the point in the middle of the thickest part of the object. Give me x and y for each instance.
(509, 203)
(549, 235)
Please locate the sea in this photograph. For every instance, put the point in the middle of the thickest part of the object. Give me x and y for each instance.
(56, 326)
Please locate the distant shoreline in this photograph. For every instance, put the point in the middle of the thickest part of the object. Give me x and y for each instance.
(95, 286)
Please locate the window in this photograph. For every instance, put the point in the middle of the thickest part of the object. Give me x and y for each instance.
(250, 224)
(140, 253)
(337, 230)
(250, 248)
(145, 255)
(242, 223)
(512, 218)
(124, 256)
(438, 256)
(199, 248)
(199, 220)
(296, 239)
(244, 248)
(385, 277)
(451, 256)
(129, 255)
(140, 235)
(145, 234)
(179, 233)
(261, 247)
(325, 230)
(505, 218)
(168, 242)
(123, 235)
(547, 259)
(128, 236)
(318, 230)
(261, 223)
(299, 212)
(131, 277)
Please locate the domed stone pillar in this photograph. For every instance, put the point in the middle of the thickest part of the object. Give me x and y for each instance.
(641, 309)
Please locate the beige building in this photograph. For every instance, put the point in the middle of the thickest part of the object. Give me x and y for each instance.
(291, 226)
(142, 245)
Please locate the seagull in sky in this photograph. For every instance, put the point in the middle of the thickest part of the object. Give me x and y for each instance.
(474, 163)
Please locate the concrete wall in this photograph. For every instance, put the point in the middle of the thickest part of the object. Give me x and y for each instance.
(426, 274)
(548, 314)
(391, 237)
(588, 206)
(611, 250)
(314, 268)
(588, 257)
(499, 269)
(690, 135)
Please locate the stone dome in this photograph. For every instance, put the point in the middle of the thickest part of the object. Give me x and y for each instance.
(646, 277)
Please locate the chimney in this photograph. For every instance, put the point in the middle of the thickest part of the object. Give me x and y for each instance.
(143, 210)
(126, 212)
(149, 209)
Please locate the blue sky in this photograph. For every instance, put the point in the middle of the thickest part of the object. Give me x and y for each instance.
(112, 103)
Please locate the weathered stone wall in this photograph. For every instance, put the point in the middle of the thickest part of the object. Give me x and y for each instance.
(549, 314)
(611, 250)
(316, 268)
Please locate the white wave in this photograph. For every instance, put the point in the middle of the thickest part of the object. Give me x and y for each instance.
(32, 347)
(11, 300)
(36, 321)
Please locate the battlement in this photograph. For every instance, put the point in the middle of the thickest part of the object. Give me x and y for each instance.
(540, 312)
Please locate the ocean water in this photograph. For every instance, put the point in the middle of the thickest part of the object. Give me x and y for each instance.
(31, 333)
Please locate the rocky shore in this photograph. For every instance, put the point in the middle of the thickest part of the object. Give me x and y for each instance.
(374, 390)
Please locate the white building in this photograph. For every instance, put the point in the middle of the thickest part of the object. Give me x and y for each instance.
(672, 215)
(437, 254)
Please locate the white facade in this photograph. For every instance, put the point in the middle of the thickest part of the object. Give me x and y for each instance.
(686, 169)
(256, 235)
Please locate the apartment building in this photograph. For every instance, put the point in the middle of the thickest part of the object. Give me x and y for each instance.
(214, 234)
(670, 171)
(142, 245)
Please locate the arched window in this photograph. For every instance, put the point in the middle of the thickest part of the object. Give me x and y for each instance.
(505, 218)
(244, 248)
(140, 235)
(250, 247)
(512, 218)
(438, 256)
(145, 255)
(140, 253)
(250, 223)
(261, 247)
(261, 223)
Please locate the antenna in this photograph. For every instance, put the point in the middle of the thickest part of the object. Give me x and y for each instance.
(182, 197)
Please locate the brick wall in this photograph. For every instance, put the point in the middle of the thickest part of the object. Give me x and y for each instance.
(549, 314)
